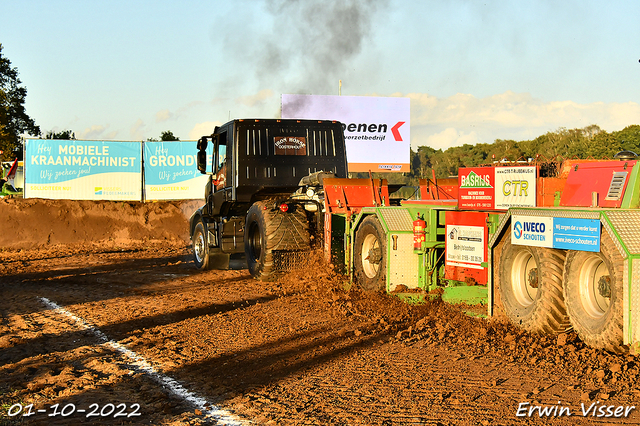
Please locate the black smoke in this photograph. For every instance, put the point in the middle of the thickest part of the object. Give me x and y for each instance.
(308, 46)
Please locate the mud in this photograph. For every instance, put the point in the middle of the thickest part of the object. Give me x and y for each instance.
(307, 349)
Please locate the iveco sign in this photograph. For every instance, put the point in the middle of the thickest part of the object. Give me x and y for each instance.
(376, 129)
(529, 230)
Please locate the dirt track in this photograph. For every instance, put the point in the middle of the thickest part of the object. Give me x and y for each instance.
(303, 350)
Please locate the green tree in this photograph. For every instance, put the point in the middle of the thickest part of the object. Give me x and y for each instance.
(168, 136)
(65, 134)
(629, 138)
(14, 120)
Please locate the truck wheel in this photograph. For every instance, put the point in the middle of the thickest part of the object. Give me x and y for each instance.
(531, 288)
(200, 246)
(273, 240)
(370, 256)
(594, 292)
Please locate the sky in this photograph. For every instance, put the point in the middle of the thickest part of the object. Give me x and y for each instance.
(475, 71)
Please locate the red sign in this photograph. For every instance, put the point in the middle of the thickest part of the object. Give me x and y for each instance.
(466, 247)
(476, 188)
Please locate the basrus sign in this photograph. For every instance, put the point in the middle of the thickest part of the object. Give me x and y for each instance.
(83, 170)
(476, 188)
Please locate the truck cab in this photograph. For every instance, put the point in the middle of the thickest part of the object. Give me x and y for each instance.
(263, 172)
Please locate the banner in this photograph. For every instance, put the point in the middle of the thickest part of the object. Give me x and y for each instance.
(376, 129)
(83, 170)
(556, 232)
(170, 171)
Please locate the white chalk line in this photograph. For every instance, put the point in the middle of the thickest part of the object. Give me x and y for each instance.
(222, 416)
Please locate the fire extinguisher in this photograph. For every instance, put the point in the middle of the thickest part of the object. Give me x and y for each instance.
(419, 236)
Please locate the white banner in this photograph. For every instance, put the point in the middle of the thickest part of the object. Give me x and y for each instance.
(515, 187)
(376, 129)
(532, 231)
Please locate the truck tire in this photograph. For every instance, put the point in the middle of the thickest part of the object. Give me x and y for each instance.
(531, 288)
(594, 295)
(274, 241)
(200, 245)
(370, 255)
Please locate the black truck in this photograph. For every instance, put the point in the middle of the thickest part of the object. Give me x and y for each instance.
(264, 198)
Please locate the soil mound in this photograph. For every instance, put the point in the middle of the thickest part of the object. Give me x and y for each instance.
(31, 223)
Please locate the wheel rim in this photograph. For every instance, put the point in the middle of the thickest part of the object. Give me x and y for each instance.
(593, 274)
(524, 280)
(255, 242)
(199, 247)
(371, 256)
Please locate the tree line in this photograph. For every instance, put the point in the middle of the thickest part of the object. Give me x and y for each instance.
(588, 142)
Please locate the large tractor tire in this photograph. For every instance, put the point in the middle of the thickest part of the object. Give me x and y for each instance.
(370, 255)
(200, 245)
(531, 287)
(594, 295)
(274, 241)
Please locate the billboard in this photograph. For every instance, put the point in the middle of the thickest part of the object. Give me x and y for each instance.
(170, 171)
(83, 170)
(556, 232)
(466, 249)
(376, 129)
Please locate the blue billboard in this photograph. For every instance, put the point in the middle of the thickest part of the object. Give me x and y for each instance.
(170, 170)
(576, 234)
(83, 170)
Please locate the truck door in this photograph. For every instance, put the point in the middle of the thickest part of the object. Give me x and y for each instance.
(220, 164)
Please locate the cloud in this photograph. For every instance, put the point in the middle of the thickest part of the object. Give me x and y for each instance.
(164, 115)
(137, 130)
(450, 137)
(95, 132)
(203, 129)
(463, 118)
(258, 99)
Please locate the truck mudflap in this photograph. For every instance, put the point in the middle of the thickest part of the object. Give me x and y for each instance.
(617, 250)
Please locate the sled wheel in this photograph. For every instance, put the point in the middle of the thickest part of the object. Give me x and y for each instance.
(370, 255)
(531, 288)
(594, 295)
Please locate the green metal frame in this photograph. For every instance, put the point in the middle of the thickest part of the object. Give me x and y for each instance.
(430, 257)
(631, 320)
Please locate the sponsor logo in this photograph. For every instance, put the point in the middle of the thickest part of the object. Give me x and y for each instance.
(532, 231)
(373, 128)
(473, 180)
(453, 234)
(517, 230)
(290, 143)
